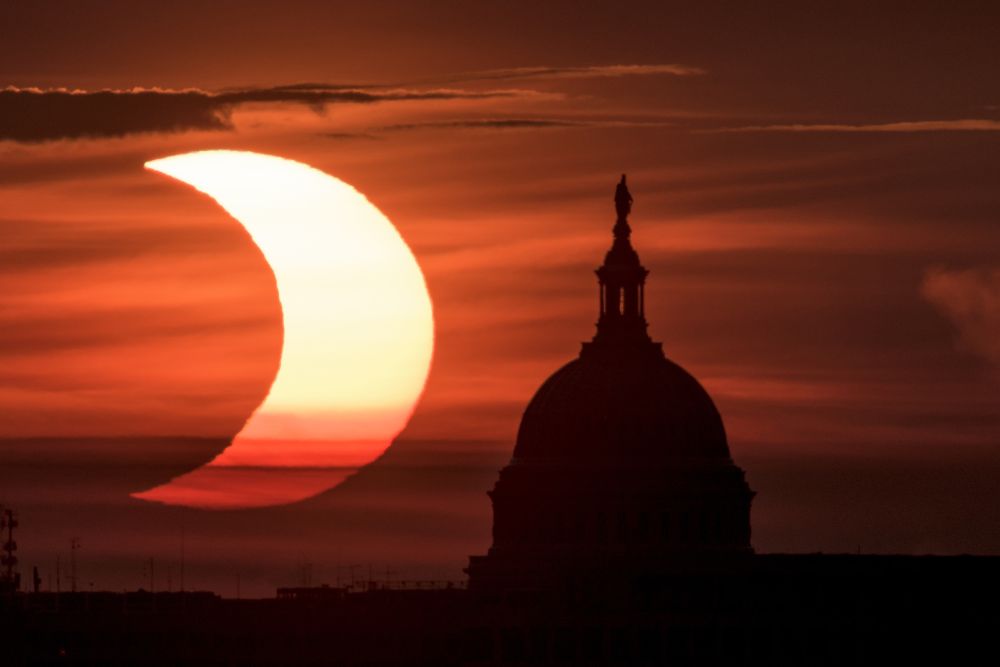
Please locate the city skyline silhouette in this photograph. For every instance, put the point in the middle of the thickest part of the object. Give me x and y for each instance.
(621, 535)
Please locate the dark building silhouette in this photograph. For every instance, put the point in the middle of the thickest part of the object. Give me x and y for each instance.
(621, 537)
(621, 467)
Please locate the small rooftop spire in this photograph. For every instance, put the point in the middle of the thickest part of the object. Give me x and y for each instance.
(623, 199)
(623, 206)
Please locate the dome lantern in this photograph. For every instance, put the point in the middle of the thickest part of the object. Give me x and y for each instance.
(622, 281)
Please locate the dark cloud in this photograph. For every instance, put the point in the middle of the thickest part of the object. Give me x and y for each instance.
(584, 72)
(31, 115)
(35, 115)
(516, 124)
(321, 95)
(313, 86)
(971, 300)
(953, 125)
(486, 123)
(348, 135)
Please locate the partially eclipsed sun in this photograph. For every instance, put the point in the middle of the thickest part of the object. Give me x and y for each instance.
(358, 331)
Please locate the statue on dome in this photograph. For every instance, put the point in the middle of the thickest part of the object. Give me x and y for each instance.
(623, 199)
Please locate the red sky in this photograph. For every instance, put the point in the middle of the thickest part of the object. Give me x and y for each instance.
(815, 198)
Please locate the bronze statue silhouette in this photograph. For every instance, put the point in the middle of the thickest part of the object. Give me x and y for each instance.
(623, 199)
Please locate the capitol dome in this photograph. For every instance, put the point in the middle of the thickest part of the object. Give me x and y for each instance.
(621, 401)
(621, 467)
(621, 409)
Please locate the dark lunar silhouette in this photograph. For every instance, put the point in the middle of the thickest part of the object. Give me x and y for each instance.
(621, 537)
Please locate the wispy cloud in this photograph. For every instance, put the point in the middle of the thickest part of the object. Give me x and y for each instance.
(971, 300)
(500, 124)
(347, 136)
(581, 72)
(486, 123)
(473, 124)
(32, 115)
(957, 125)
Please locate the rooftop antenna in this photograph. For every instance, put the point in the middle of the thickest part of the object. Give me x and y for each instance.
(74, 546)
(8, 523)
(350, 568)
(182, 560)
(305, 572)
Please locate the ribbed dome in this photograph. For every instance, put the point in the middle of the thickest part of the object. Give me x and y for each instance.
(622, 407)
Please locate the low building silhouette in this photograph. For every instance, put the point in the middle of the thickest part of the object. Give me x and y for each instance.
(621, 537)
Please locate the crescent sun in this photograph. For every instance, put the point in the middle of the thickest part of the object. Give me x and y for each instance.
(358, 331)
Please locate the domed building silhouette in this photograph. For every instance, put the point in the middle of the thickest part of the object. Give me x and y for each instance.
(621, 465)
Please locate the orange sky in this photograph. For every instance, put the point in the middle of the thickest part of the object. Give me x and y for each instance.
(815, 198)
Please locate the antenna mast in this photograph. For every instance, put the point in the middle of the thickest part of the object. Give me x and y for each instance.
(11, 580)
(74, 546)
